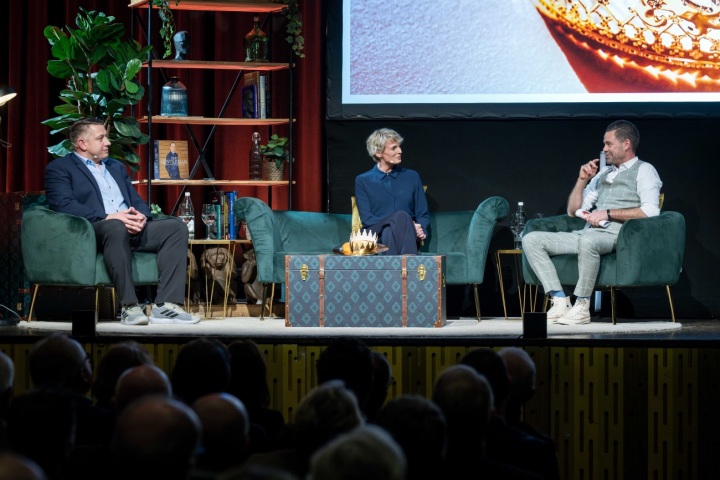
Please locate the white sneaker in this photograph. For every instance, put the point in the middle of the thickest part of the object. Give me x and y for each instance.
(560, 306)
(171, 313)
(578, 314)
(133, 315)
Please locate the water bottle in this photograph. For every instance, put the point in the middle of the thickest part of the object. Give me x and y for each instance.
(186, 212)
(256, 158)
(518, 224)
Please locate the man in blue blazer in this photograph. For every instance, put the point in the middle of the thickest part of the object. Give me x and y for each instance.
(88, 184)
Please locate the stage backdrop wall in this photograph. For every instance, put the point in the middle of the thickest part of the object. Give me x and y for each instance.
(537, 161)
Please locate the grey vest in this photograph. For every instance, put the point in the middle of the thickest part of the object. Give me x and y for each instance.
(622, 192)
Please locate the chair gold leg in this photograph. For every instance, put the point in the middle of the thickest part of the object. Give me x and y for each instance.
(97, 302)
(262, 301)
(32, 302)
(477, 301)
(271, 314)
(672, 308)
(612, 305)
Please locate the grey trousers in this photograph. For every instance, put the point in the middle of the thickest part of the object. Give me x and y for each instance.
(167, 237)
(588, 244)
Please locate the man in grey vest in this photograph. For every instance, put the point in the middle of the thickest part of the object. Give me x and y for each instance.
(625, 189)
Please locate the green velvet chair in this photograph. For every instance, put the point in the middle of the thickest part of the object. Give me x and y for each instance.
(462, 236)
(60, 249)
(649, 253)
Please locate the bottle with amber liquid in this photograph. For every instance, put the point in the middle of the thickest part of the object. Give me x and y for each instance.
(256, 44)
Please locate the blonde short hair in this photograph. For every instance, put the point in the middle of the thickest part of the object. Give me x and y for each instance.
(377, 140)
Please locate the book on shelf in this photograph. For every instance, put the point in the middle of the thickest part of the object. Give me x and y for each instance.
(171, 160)
(260, 81)
(232, 227)
(250, 105)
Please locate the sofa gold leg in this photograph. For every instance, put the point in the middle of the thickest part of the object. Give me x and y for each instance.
(477, 302)
(32, 302)
(672, 307)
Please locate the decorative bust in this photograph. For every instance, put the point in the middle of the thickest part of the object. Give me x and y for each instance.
(182, 44)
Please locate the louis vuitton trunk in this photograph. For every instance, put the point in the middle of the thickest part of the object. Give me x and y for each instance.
(365, 291)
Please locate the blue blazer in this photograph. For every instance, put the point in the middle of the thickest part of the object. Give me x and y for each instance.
(71, 188)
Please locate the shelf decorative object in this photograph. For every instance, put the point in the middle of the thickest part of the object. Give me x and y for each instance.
(99, 68)
(292, 13)
(174, 99)
(256, 43)
(276, 155)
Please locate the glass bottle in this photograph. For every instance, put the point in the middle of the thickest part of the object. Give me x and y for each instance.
(256, 44)
(256, 158)
(174, 100)
(517, 224)
(186, 212)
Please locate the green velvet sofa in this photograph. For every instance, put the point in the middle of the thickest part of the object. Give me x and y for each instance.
(462, 236)
(649, 252)
(60, 249)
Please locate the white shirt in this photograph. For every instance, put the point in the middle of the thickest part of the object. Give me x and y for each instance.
(648, 186)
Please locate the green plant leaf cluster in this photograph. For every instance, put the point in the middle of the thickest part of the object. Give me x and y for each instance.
(100, 71)
(276, 149)
(167, 29)
(294, 27)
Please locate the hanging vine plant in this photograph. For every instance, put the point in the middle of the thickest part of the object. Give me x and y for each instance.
(293, 29)
(167, 30)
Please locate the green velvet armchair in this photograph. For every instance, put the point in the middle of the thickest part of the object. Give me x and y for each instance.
(649, 253)
(462, 236)
(60, 249)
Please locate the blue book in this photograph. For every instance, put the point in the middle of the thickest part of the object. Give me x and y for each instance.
(218, 222)
(232, 229)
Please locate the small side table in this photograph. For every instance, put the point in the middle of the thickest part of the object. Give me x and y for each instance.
(527, 294)
(231, 244)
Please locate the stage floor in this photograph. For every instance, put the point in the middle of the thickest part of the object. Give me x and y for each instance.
(465, 331)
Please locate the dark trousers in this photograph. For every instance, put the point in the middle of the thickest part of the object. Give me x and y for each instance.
(167, 237)
(397, 232)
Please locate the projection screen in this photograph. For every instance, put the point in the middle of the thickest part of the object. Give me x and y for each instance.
(522, 58)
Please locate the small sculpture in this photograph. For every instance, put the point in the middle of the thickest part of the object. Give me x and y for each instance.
(182, 44)
(248, 276)
(218, 266)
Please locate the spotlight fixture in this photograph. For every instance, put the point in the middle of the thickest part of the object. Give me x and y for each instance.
(6, 94)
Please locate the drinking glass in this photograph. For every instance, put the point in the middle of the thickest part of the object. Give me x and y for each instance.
(208, 217)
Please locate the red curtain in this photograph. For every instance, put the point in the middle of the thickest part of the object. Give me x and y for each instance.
(23, 61)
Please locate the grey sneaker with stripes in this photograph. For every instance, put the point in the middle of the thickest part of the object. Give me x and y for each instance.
(171, 313)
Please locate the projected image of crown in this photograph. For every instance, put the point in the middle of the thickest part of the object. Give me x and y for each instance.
(364, 242)
(675, 40)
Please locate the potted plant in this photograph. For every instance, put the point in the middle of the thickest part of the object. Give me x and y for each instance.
(276, 154)
(99, 69)
(292, 13)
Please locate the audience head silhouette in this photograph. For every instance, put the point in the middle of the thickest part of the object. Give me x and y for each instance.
(364, 453)
(139, 382)
(349, 360)
(488, 363)
(17, 467)
(419, 427)
(202, 367)
(58, 361)
(156, 437)
(225, 431)
(119, 357)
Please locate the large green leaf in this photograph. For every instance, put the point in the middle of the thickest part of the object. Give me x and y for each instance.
(100, 69)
